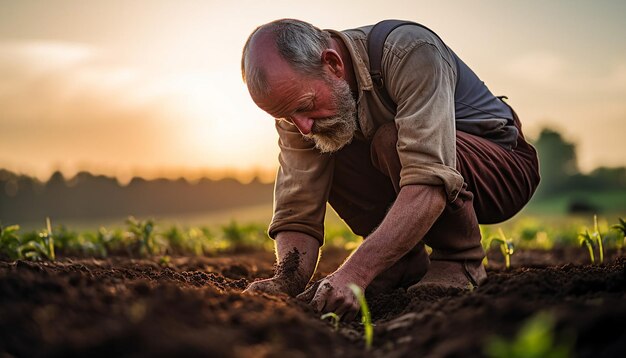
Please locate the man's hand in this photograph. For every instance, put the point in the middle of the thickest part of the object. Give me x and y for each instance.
(297, 255)
(332, 294)
(272, 286)
(411, 216)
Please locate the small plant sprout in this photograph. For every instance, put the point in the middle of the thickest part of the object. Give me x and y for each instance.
(621, 229)
(506, 247)
(143, 231)
(165, 261)
(49, 239)
(9, 241)
(38, 246)
(536, 338)
(587, 240)
(334, 319)
(366, 317)
(598, 238)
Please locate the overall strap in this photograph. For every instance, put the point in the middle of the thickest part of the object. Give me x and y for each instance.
(375, 45)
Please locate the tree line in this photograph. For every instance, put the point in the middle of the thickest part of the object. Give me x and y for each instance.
(560, 173)
(89, 196)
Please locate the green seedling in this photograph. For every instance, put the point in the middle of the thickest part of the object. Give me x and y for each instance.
(143, 231)
(535, 339)
(598, 238)
(38, 247)
(9, 241)
(242, 237)
(165, 261)
(506, 247)
(587, 240)
(49, 239)
(621, 229)
(334, 319)
(366, 317)
(88, 244)
(176, 238)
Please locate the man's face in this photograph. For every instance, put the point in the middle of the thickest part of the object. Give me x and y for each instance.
(336, 131)
(323, 110)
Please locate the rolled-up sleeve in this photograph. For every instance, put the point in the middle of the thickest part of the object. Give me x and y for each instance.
(422, 82)
(302, 185)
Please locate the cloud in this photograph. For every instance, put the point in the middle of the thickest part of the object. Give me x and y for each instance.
(47, 80)
(22, 63)
(63, 101)
(54, 52)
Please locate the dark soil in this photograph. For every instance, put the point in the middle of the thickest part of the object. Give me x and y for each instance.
(194, 307)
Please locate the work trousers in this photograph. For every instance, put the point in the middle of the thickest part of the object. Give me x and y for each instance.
(497, 184)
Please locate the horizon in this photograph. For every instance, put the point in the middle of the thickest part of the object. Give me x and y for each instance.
(152, 88)
(193, 177)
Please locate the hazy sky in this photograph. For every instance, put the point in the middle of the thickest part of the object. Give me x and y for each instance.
(143, 87)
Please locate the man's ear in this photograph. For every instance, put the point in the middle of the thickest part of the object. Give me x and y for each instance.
(334, 62)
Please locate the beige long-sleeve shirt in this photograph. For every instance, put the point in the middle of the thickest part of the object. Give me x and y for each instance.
(420, 78)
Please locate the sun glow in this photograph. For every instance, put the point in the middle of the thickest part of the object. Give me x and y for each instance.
(218, 130)
(158, 84)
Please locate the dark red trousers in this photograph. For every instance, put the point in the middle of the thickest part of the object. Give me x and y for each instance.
(498, 183)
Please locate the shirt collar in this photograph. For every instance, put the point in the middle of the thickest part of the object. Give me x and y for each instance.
(361, 70)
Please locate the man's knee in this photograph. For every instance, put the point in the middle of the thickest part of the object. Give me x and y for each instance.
(455, 235)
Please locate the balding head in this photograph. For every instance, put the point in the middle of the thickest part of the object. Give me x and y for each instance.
(294, 42)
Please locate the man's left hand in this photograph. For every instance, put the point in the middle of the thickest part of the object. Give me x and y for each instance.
(332, 294)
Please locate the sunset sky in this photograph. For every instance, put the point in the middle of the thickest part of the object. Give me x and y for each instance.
(154, 88)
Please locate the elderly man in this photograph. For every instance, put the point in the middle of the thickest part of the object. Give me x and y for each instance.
(413, 151)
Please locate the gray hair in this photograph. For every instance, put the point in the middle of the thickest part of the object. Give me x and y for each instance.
(298, 42)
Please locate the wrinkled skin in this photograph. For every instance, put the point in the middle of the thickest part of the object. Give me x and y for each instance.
(332, 294)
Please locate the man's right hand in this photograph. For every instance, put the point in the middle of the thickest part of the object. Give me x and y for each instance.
(273, 286)
(297, 255)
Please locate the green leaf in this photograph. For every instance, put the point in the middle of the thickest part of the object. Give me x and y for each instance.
(366, 317)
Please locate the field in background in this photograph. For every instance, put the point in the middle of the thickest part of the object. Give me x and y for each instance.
(608, 202)
(230, 231)
(609, 205)
(256, 214)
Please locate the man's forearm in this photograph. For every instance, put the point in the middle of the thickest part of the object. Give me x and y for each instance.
(292, 247)
(414, 212)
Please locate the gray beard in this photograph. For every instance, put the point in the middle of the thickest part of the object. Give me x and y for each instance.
(333, 133)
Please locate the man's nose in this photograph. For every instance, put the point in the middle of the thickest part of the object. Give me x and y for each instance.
(303, 123)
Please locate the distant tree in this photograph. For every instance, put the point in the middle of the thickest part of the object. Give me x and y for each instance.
(56, 181)
(610, 178)
(557, 162)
